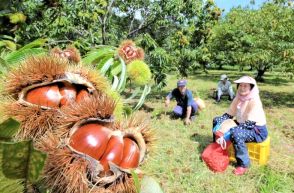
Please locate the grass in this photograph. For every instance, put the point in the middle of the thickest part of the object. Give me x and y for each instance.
(176, 162)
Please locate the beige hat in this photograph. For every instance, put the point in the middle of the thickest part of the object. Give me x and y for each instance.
(246, 79)
(223, 77)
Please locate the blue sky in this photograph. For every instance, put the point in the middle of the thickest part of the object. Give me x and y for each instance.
(228, 4)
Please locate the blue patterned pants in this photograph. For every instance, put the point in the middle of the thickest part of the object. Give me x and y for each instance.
(241, 135)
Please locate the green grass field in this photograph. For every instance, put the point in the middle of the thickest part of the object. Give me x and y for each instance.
(176, 163)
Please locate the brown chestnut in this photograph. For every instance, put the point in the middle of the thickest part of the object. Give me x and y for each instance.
(131, 154)
(48, 96)
(90, 139)
(113, 152)
(82, 94)
(68, 93)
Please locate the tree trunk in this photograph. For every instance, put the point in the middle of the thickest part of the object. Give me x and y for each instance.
(251, 68)
(104, 21)
(220, 67)
(103, 34)
(260, 74)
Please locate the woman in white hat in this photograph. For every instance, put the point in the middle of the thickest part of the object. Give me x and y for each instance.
(250, 117)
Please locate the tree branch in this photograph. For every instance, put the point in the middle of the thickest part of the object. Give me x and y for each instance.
(108, 10)
(140, 28)
(131, 26)
(104, 22)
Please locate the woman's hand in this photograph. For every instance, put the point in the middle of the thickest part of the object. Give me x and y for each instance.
(167, 101)
(187, 121)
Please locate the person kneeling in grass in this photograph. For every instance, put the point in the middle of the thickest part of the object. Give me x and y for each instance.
(186, 106)
(250, 119)
(224, 87)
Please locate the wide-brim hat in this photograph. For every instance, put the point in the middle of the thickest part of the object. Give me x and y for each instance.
(246, 79)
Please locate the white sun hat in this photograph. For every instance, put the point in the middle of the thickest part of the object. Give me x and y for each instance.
(246, 79)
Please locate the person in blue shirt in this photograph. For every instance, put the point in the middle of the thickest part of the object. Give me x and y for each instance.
(186, 106)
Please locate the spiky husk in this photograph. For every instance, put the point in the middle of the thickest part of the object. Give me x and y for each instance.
(121, 53)
(34, 120)
(17, 18)
(129, 43)
(139, 72)
(141, 123)
(56, 51)
(70, 53)
(42, 70)
(99, 82)
(45, 69)
(119, 109)
(75, 55)
(66, 172)
(74, 115)
(34, 70)
(97, 106)
(125, 43)
(140, 53)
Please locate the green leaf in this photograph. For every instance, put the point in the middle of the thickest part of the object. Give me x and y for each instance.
(36, 43)
(9, 44)
(149, 185)
(102, 61)
(3, 66)
(36, 164)
(6, 37)
(127, 111)
(2, 44)
(9, 185)
(22, 161)
(8, 128)
(146, 91)
(134, 94)
(115, 83)
(116, 68)
(96, 54)
(123, 76)
(19, 55)
(136, 180)
(42, 188)
(3, 62)
(106, 66)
